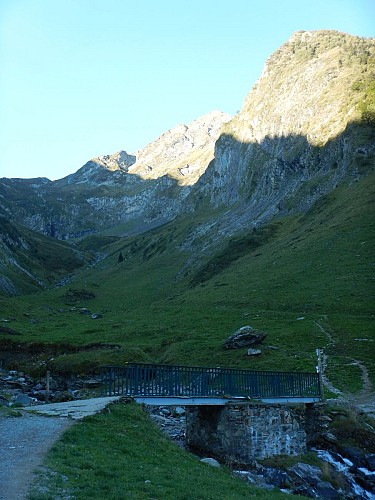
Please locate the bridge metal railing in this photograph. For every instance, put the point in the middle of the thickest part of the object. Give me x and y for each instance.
(139, 379)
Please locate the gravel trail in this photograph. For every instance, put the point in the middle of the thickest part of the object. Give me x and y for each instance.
(24, 441)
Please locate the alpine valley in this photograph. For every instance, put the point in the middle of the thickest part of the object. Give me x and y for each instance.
(262, 219)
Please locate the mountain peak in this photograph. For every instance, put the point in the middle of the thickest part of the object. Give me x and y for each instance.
(306, 87)
(183, 152)
(117, 161)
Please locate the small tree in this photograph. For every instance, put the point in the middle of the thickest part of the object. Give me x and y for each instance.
(120, 257)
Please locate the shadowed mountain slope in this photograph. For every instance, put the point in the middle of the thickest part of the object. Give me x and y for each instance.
(30, 261)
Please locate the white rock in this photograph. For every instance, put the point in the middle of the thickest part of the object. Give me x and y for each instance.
(254, 352)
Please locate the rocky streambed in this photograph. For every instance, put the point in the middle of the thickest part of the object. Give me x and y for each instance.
(350, 475)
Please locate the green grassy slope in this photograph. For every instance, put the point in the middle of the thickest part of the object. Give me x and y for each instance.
(121, 454)
(306, 280)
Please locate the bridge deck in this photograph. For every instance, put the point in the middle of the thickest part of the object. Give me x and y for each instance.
(182, 401)
(196, 385)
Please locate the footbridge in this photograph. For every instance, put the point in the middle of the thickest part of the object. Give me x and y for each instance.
(195, 386)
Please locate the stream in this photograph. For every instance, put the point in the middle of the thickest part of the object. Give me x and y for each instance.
(345, 467)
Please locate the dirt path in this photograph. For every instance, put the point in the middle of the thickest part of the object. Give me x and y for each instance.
(367, 390)
(365, 399)
(24, 441)
(326, 382)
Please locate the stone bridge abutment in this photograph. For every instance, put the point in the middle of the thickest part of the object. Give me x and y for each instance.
(245, 432)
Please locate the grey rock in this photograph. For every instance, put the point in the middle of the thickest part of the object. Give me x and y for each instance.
(23, 399)
(256, 479)
(179, 411)
(165, 412)
(328, 436)
(96, 316)
(210, 461)
(308, 481)
(40, 395)
(160, 420)
(326, 491)
(53, 384)
(357, 457)
(305, 473)
(325, 418)
(243, 337)
(276, 477)
(365, 479)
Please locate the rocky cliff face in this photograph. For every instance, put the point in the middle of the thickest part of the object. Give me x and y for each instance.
(307, 125)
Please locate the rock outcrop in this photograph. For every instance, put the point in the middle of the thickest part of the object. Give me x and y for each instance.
(244, 337)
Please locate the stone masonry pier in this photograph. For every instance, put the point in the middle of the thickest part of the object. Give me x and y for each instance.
(248, 431)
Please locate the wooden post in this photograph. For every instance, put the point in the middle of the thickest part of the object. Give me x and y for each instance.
(48, 375)
(320, 372)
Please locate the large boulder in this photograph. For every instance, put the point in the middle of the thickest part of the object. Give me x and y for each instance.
(243, 337)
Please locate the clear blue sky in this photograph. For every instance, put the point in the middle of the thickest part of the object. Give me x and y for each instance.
(82, 78)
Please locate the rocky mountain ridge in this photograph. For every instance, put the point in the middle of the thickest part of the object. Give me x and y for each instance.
(140, 191)
(182, 153)
(305, 127)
